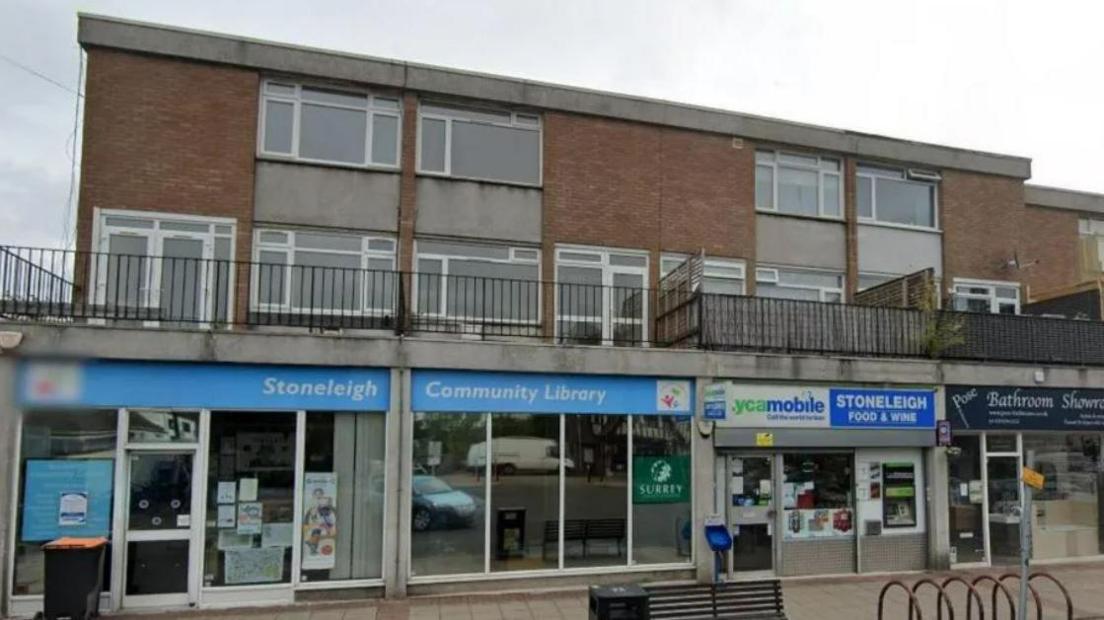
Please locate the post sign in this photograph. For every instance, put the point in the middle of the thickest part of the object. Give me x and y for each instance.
(1014, 408)
(1033, 479)
(661, 479)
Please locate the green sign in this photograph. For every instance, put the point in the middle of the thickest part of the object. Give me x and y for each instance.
(661, 479)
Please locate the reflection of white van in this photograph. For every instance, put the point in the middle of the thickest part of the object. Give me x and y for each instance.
(513, 454)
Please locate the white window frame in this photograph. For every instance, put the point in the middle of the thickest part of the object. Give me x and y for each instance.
(712, 268)
(990, 285)
(150, 294)
(289, 247)
(769, 274)
(602, 261)
(873, 172)
(371, 109)
(458, 113)
(775, 165)
(442, 309)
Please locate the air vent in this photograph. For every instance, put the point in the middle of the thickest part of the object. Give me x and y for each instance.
(917, 174)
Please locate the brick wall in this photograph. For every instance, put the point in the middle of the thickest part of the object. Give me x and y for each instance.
(981, 217)
(618, 184)
(1050, 236)
(986, 223)
(168, 136)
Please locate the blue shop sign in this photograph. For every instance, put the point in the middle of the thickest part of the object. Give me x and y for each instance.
(865, 408)
(470, 391)
(1013, 408)
(103, 383)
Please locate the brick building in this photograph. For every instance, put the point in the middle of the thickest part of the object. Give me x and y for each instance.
(311, 288)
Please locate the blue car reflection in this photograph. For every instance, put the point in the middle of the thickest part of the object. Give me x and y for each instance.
(436, 504)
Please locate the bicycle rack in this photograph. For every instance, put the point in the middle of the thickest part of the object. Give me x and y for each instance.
(912, 600)
(971, 596)
(1034, 594)
(974, 596)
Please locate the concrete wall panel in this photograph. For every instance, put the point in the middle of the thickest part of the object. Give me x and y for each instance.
(898, 251)
(290, 193)
(479, 210)
(800, 242)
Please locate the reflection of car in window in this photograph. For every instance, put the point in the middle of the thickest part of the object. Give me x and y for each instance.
(436, 504)
(514, 454)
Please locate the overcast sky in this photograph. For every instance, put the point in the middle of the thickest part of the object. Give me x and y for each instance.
(1022, 78)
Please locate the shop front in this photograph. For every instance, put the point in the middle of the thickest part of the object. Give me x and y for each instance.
(217, 484)
(817, 480)
(996, 432)
(540, 475)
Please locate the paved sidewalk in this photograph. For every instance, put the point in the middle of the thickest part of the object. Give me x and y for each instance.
(843, 598)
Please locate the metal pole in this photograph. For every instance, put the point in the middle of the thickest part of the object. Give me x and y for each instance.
(1025, 544)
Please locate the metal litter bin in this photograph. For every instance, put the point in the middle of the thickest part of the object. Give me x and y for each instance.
(74, 577)
(625, 602)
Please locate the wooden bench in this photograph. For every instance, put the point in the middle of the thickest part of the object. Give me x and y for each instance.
(743, 600)
(583, 531)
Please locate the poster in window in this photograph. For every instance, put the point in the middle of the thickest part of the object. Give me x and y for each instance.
(250, 517)
(899, 504)
(67, 497)
(254, 565)
(319, 521)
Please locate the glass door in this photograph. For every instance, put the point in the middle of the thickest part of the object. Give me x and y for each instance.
(1004, 509)
(159, 529)
(183, 266)
(751, 512)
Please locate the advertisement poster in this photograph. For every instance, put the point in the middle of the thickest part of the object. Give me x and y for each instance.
(73, 509)
(67, 498)
(319, 520)
(247, 491)
(818, 523)
(250, 517)
(227, 515)
(226, 492)
(277, 534)
(661, 479)
(263, 565)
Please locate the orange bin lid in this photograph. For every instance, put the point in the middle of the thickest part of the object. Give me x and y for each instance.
(72, 542)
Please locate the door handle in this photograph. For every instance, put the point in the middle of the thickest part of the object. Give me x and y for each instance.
(772, 513)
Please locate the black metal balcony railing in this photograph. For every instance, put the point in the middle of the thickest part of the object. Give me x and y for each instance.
(65, 286)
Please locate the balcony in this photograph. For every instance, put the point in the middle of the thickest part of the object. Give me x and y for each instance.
(58, 286)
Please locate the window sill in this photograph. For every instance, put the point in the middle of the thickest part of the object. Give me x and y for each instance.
(453, 177)
(801, 216)
(326, 164)
(923, 229)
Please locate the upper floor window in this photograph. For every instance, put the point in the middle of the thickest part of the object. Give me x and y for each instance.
(896, 196)
(986, 296)
(477, 281)
(798, 184)
(159, 266)
(329, 125)
(601, 295)
(796, 283)
(476, 143)
(323, 273)
(723, 276)
(1091, 247)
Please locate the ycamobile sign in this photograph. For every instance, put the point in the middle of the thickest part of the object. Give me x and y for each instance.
(661, 479)
(779, 406)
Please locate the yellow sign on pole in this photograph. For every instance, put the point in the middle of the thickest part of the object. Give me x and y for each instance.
(1033, 479)
(764, 440)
